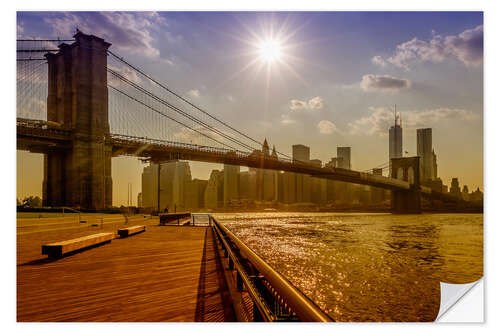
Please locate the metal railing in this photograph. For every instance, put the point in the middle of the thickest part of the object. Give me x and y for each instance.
(273, 296)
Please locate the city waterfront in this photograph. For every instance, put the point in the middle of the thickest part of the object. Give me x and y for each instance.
(280, 149)
(368, 267)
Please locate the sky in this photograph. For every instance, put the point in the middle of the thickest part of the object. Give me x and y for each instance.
(322, 79)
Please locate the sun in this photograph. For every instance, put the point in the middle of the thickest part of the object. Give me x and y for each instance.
(270, 50)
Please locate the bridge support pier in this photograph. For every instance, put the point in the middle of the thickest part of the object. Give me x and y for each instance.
(79, 176)
(406, 202)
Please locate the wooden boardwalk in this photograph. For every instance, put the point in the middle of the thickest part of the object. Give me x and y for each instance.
(164, 274)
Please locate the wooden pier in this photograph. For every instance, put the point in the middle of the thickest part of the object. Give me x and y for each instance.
(163, 274)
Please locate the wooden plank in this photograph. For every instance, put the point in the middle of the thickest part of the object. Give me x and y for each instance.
(125, 232)
(57, 250)
(169, 274)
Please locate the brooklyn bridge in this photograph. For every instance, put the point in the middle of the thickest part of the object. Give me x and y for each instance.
(81, 104)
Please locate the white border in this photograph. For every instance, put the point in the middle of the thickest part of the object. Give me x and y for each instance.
(491, 152)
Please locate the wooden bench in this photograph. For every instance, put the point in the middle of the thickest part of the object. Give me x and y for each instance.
(57, 250)
(125, 232)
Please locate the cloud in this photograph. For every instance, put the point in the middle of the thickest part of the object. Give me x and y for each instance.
(378, 60)
(194, 93)
(127, 31)
(385, 83)
(296, 104)
(326, 127)
(466, 47)
(381, 119)
(315, 103)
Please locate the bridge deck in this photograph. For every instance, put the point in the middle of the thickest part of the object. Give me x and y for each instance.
(164, 274)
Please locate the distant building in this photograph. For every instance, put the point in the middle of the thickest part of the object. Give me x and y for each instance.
(332, 163)
(149, 183)
(175, 178)
(424, 150)
(231, 183)
(455, 187)
(213, 189)
(316, 163)
(139, 199)
(435, 184)
(248, 185)
(477, 195)
(301, 153)
(344, 157)
(345, 192)
(197, 193)
(181, 183)
(465, 193)
(395, 139)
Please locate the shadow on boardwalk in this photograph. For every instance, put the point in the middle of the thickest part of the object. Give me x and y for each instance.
(212, 289)
(164, 274)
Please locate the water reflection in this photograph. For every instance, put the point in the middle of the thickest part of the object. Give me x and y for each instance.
(368, 267)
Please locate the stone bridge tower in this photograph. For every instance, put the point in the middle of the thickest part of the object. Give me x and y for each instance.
(407, 169)
(79, 175)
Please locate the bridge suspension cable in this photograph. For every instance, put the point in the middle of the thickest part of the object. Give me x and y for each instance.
(382, 166)
(179, 111)
(159, 112)
(164, 87)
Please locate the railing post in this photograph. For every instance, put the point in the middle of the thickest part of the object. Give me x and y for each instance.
(231, 263)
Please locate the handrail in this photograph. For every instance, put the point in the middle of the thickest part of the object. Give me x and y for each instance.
(288, 294)
(264, 310)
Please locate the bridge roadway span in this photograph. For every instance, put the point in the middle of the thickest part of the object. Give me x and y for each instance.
(37, 136)
(164, 274)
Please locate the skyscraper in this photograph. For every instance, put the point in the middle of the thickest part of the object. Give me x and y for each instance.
(424, 150)
(455, 187)
(211, 195)
(395, 139)
(301, 153)
(231, 183)
(150, 186)
(180, 184)
(344, 157)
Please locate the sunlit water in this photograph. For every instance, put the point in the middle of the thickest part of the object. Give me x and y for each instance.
(367, 267)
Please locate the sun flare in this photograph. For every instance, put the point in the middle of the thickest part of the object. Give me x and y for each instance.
(270, 50)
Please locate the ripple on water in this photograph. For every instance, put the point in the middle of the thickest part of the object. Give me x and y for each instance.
(368, 267)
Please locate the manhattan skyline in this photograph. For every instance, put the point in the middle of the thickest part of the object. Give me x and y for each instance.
(334, 82)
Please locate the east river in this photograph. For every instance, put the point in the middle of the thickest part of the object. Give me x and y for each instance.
(367, 267)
